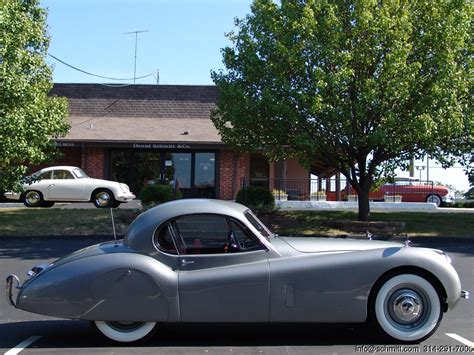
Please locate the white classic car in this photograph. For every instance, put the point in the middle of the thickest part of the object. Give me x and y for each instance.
(70, 184)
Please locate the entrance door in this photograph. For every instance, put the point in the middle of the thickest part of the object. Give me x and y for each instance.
(259, 171)
(148, 166)
(223, 272)
(177, 170)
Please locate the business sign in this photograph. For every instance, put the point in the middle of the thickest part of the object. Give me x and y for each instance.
(160, 146)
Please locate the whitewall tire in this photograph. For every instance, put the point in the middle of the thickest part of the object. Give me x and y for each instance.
(408, 308)
(125, 332)
(434, 199)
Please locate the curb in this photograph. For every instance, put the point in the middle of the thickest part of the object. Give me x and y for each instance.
(104, 237)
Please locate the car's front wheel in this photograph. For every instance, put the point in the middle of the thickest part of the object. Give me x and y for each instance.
(125, 332)
(434, 199)
(32, 198)
(103, 198)
(408, 308)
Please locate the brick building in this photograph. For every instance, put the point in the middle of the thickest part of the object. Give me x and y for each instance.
(142, 134)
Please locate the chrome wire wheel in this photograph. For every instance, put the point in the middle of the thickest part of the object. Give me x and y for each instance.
(125, 331)
(408, 308)
(32, 199)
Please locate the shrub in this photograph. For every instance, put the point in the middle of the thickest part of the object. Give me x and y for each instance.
(256, 198)
(155, 194)
(464, 204)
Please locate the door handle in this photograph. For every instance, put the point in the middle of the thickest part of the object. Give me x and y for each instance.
(185, 262)
(51, 185)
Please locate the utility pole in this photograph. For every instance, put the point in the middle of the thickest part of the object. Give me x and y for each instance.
(136, 41)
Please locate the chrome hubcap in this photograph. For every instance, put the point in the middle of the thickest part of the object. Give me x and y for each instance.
(406, 307)
(103, 199)
(32, 198)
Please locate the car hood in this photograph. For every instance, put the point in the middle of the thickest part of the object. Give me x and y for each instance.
(321, 245)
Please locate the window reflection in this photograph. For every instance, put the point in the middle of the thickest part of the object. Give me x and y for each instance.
(205, 170)
(182, 169)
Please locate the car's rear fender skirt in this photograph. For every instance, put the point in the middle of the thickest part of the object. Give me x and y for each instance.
(108, 287)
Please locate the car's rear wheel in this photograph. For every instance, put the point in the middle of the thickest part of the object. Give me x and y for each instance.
(103, 198)
(408, 308)
(32, 198)
(434, 199)
(125, 332)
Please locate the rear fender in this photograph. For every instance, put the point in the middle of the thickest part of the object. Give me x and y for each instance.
(112, 287)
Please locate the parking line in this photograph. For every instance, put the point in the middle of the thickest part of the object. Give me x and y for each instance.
(461, 339)
(24, 344)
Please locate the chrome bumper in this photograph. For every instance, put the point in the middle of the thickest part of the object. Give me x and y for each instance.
(465, 294)
(9, 286)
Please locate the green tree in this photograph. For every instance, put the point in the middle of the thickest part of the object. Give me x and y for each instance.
(29, 119)
(360, 86)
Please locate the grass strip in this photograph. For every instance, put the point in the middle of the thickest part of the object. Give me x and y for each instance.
(20, 222)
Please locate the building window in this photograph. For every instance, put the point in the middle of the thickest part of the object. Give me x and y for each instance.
(191, 172)
(205, 174)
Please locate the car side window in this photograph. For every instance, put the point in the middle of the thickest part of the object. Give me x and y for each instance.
(44, 176)
(247, 241)
(202, 234)
(62, 175)
(164, 240)
(212, 234)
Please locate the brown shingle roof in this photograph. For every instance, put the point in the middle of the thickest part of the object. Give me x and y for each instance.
(145, 113)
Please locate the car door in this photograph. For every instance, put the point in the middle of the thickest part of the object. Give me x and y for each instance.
(65, 187)
(223, 271)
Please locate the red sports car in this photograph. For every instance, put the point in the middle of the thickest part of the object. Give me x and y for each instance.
(412, 190)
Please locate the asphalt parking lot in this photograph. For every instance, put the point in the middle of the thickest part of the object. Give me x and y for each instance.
(32, 334)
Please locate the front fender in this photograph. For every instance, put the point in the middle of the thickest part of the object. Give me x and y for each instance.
(434, 262)
(119, 286)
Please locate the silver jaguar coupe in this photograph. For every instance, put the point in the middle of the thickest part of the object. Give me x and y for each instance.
(199, 260)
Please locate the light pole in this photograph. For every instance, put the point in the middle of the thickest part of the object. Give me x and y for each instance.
(136, 41)
(420, 168)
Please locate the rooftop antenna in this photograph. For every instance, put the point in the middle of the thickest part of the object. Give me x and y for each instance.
(136, 41)
(113, 223)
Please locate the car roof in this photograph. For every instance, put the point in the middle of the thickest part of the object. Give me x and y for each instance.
(59, 167)
(172, 209)
(140, 231)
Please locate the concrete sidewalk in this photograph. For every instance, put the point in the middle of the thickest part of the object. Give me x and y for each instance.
(135, 204)
(374, 206)
(297, 206)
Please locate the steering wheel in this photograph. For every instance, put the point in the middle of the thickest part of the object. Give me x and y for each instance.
(233, 244)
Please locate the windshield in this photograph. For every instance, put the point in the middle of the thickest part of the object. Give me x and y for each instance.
(79, 173)
(257, 224)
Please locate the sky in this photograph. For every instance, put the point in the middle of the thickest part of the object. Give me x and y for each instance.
(183, 43)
